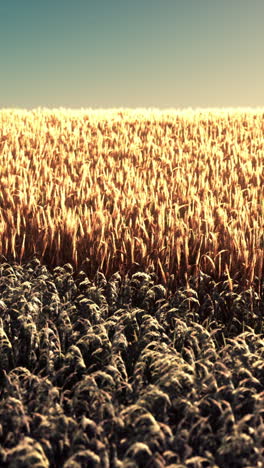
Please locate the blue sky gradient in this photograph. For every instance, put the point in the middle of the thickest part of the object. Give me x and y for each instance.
(140, 53)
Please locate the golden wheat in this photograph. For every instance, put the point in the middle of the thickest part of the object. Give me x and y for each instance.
(169, 190)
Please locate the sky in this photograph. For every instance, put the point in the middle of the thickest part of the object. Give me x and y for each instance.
(131, 53)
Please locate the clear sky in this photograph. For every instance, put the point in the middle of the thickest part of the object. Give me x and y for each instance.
(131, 53)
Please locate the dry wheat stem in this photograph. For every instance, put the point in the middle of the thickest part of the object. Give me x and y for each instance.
(175, 190)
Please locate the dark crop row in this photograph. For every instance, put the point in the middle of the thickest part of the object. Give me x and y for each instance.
(125, 373)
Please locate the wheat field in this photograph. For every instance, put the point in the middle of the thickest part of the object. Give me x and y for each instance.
(172, 191)
(131, 288)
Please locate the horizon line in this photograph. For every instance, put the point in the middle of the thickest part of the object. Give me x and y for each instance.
(143, 108)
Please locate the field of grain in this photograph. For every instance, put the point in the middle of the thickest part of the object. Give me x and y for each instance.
(129, 190)
(131, 289)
